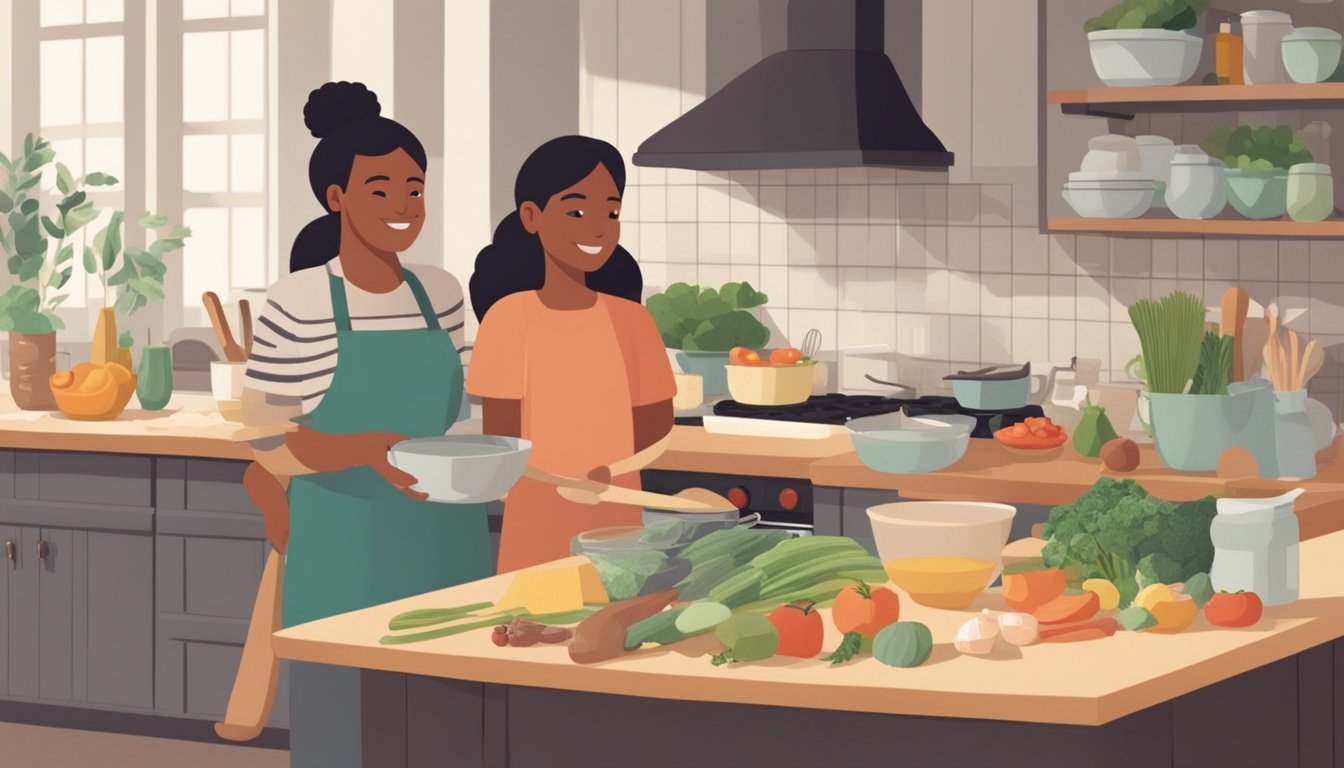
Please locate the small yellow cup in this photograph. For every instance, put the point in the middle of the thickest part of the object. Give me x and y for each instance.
(690, 391)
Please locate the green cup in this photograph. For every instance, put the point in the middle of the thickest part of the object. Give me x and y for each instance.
(154, 380)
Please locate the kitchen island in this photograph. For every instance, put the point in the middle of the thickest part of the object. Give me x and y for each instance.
(1262, 696)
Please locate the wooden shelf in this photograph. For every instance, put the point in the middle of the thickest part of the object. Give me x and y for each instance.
(1126, 102)
(1173, 226)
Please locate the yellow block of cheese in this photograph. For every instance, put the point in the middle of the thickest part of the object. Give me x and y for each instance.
(554, 590)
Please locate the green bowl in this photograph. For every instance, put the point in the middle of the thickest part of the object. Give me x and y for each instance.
(1258, 194)
(712, 367)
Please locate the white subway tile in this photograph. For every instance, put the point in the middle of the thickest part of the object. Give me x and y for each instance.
(804, 176)
(803, 320)
(1063, 341)
(852, 204)
(1031, 296)
(996, 249)
(745, 273)
(774, 176)
(828, 176)
(882, 205)
(652, 203)
(1124, 345)
(1124, 292)
(654, 275)
(1327, 261)
(883, 248)
(744, 243)
(683, 243)
(1094, 301)
(963, 204)
(935, 204)
(1327, 308)
(935, 240)
(1062, 248)
(631, 235)
(629, 209)
(682, 176)
(996, 205)
(1294, 260)
(802, 204)
(775, 284)
(682, 273)
(775, 243)
(996, 340)
(714, 243)
(802, 244)
(774, 204)
(852, 245)
(1166, 258)
(963, 291)
(813, 288)
(1093, 255)
(911, 290)
(828, 204)
(996, 295)
(1093, 339)
(652, 242)
(866, 328)
(910, 248)
(1190, 257)
(1031, 252)
(826, 244)
(713, 275)
(880, 293)
(881, 175)
(1131, 257)
(745, 178)
(776, 319)
(744, 207)
(681, 203)
(1220, 259)
(714, 203)
(651, 177)
(965, 339)
(963, 248)
(849, 176)
(853, 288)
(1258, 260)
(1063, 297)
(910, 205)
(1031, 340)
(937, 292)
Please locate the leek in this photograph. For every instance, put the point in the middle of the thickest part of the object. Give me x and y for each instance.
(1170, 333)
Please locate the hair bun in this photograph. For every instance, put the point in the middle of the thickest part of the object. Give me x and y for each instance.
(336, 105)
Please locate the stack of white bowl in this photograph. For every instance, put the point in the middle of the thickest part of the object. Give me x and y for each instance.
(1111, 183)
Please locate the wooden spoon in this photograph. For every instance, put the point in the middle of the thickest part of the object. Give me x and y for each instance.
(1312, 362)
(1252, 341)
(245, 317)
(232, 352)
(1236, 302)
(592, 492)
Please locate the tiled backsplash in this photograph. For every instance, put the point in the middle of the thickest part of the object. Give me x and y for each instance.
(944, 265)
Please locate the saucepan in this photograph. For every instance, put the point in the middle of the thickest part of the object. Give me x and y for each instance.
(997, 388)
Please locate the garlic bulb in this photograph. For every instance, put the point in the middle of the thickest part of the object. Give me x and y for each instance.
(1019, 628)
(977, 635)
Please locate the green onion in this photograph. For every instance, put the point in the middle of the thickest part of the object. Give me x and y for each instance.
(1170, 333)
(429, 616)
(1215, 365)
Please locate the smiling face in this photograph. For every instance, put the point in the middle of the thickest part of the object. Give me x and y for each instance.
(579, 226)
(384, 201)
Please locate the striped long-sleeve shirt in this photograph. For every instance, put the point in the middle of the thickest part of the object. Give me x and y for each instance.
(294, 350)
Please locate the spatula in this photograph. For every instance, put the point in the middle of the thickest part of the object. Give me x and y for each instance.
(1236, 301)
(232, 352)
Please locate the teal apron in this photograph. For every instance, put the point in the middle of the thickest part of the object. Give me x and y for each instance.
(355, 540)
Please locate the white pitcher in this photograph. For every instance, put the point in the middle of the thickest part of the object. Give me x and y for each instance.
(1255, 547)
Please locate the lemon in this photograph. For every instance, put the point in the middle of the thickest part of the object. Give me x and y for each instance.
(1105, 591)
(1153, 594)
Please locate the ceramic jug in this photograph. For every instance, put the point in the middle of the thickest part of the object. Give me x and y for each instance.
(1294, 438)
(1256, 547)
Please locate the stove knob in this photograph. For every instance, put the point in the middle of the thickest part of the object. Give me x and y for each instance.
(739, 497)
(788, 498)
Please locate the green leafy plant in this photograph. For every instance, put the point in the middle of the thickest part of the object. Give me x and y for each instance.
(139, 278)
(1175, 15)
(1262, 148)
(1170, 333)
(694, 318)
(1215, 365)
(34, 240)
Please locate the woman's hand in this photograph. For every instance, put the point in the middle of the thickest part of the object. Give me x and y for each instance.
(324, 452)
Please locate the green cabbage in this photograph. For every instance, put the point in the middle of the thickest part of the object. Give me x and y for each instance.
(694, 318)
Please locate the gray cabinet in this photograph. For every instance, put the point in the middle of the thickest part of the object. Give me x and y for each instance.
(78, 594)
(210, 548)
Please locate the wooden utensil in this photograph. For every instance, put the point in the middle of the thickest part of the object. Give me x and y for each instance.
(640, 459)
(1272, 347)
(232, 352)
(1312, 361)
(1236, 302)
(259, 670)
(592, 492)
(245, 318)
(1252, 342)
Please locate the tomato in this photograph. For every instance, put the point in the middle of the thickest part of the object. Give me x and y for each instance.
(744, 356)
(1234, 609)
(787, 356)
(864, 609)
(800, 629)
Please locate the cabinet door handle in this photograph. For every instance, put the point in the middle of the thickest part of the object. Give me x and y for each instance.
(42, 549)
(10, 550)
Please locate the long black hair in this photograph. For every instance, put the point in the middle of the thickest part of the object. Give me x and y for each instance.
(345, 117)
(515, 261)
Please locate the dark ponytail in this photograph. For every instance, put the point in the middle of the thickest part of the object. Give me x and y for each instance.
(346, 118)
(515, 260)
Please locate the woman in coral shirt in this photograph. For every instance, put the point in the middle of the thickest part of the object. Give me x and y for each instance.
(566, 356)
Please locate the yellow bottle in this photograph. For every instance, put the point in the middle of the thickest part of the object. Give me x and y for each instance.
(1227, 50)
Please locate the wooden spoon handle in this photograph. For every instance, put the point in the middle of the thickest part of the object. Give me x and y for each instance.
(1236, 303)
(228, 346)
(245, 318)
(258, 676)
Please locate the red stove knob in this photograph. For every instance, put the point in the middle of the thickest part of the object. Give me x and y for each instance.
(788, 498)
(739, 497)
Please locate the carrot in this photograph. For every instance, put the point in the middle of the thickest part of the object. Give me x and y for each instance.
(1066, 608)
(1085, 630)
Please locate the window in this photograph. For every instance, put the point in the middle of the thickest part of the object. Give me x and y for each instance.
(81, 108)
(220, 129)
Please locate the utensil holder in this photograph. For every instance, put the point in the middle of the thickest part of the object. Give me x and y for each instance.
(1294, 438)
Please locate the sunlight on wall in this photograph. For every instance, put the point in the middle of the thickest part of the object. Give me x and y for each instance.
(361, 46)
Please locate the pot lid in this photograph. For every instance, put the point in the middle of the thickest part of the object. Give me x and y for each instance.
(992, 373)
(1313, 33)
(1266, 17)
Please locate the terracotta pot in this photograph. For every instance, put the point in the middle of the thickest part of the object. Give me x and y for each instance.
(32, 361)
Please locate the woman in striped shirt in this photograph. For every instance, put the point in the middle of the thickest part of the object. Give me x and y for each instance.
(362, 352)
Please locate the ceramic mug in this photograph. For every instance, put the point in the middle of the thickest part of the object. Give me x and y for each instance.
(226, 380)
(690, 391)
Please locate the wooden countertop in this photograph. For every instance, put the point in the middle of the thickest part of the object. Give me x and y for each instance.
(1087, 683)
(989, 472)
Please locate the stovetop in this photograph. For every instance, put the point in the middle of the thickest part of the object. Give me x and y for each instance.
(838, 409)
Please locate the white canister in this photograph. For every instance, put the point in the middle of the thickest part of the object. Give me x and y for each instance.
(226, 380)
(1263, 32)
(1157, 152)
(1196, 188)
(1255, 547)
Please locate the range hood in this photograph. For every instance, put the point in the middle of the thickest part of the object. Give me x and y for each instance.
(832, 99)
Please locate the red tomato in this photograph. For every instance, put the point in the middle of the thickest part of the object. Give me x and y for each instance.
(1234, 609)
(744, 356)
(787, 356)
(865, 609)
(800, 629)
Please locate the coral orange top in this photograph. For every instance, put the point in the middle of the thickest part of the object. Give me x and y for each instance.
(578, 374)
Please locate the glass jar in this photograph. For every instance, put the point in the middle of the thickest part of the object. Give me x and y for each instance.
(1263, 32)
(1196, 188)
(1311, 192)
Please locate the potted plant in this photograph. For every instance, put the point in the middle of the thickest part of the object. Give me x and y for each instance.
(1146, 42)
(38, 256)
(134, 275)
(1257, 160)
(1195, 413)
(703, 324)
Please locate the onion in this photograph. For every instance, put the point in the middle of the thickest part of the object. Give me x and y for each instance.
(977, 635)
(1019, 628)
